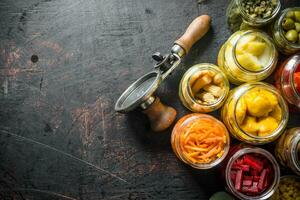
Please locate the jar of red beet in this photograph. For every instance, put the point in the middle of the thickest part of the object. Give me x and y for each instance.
(251, 173)
(287, 80)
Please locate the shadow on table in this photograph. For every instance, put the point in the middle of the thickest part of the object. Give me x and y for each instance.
(140, 127)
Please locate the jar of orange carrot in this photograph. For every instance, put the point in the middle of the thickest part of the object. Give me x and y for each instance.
(200, 140)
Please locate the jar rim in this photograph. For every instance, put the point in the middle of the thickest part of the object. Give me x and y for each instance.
(201, 67)
(266, 194)
(189, 119)
(268, 40)
(248, 18)
(280, 30)
(281, 101)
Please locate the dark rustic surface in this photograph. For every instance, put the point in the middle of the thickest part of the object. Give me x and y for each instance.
(63, 64)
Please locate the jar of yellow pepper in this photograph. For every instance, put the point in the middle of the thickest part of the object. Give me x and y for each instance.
(287, 149)
(255, 113)
(248, 56)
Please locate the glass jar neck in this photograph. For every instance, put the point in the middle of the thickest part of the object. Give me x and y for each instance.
(266, 194)
(252, 21)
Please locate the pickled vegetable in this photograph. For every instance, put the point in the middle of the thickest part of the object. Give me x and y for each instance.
(251, 174)
(258, 112)
(203, 88)
(251, 53)
(247, 56)
(297, 81)
(207, 86)
(259, 8)
(289, 189)
(292, 26)
(203, 140)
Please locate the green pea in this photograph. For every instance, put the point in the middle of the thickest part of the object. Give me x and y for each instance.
(297, 15)
(299, 38)
(292, 35)
(297, 26)
(290, 14)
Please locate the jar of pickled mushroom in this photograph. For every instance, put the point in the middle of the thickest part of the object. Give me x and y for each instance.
(286, 31)
(248, 56)
(203, 88)
(200, 140)
(288, 149)
(255, 13)
(255, 113)
(251, 173)
(287, 80)
(288, 189)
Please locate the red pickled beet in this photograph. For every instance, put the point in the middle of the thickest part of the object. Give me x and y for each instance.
(247, 182)
(233, 175)
(245, 168)
(253, 162)
(248, 178)
(254, 172)
(238, 180)
(256, 178)
(251, 174)
(262, 179)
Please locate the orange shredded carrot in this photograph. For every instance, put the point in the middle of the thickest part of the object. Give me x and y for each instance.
(203, 140)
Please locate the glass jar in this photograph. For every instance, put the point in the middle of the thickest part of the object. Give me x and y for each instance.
(289, 188)
(285, 82)
(205, 144)
(288, 149)
(283, 45)
(237, 153)
(237, 16)
(195, 100)
(260, 127)
(236, 56)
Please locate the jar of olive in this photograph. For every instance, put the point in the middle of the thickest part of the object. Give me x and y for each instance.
(287, 149)
(257, 13)
(286, 31)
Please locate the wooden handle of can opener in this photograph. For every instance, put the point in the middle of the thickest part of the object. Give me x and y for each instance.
(160, 115)
(196, 30)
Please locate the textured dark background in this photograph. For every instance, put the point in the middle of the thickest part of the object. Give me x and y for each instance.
(60, 137)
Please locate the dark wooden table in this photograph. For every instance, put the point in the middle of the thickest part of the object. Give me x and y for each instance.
(63, 64)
